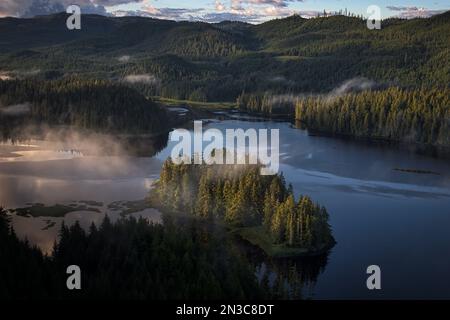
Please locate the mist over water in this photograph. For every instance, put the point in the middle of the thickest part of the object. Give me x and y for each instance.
(398, 220)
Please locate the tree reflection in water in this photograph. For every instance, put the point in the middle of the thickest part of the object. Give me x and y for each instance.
(286, 278)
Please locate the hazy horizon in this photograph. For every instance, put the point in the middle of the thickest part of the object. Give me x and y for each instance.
(251, 11)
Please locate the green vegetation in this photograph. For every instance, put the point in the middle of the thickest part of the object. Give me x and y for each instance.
(259, 237)
(128, 260)
(417, 171)
(129, 207)
(240, 197)
(92, 203)
(58, 210)
(266, 104)
(420, 115)
(90, 104)
(217, 62)
(197, 104)
(395, 114)
(82, 75)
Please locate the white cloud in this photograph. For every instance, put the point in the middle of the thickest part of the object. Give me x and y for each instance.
(124, 58)
(219, 6)
(252, 11)
(229, 16)
(352, 85)
(29, 8)
(239, 10)
(409, 12)
(13, 7)
(141, 78)
(21, 74)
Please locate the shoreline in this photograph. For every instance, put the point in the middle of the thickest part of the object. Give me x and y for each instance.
(434, 151)
(278, 251)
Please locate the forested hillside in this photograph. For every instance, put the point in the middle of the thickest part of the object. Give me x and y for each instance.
(128, 260)
(419, 115)
(213, 62)
(90, 104)
(266, 67)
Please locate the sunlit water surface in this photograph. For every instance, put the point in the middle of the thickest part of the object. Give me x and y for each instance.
(397, 220)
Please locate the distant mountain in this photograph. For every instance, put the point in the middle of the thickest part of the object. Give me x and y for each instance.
(99, 34)
(195, 60)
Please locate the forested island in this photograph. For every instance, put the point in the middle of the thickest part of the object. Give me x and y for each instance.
(261, 209)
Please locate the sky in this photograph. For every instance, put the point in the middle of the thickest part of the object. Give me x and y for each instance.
(252, 11)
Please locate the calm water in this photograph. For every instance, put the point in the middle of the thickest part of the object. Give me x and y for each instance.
(397, 220)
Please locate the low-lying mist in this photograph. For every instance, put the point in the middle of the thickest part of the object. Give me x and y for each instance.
(88, 142)
(356, 84)
(16, 109)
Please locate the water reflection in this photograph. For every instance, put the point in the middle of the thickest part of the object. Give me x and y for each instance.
(43, 231)
(420, 149)
(398, 220)
(294, 278)
(68, 142)
(287, 278)
(62, 165)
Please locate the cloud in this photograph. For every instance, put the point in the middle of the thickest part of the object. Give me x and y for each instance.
(399, 8)
(219, 6)
(240, 4)
(141, 78)
(219, 10)
(16, 110)
(22, 74)
(406, 12)
(124, 58)
(13, 7)
(274, 3)
(313, 13)
(281, 80)
(228, 16)
(252, 11)
(353, 85)
(161, 13)
(30, 8)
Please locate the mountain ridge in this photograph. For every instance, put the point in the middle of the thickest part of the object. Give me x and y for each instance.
(217, 62)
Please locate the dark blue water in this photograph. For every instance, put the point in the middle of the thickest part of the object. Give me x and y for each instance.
(380, 216)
